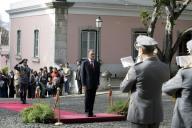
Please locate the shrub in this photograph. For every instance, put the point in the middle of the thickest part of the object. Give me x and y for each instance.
(48, 114)
(119, 107)
(25, 113)
(34, 115)
(38, 113)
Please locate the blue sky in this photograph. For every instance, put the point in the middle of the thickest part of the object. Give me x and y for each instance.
(5, 5)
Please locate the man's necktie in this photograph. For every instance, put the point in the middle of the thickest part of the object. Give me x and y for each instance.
(92, 64)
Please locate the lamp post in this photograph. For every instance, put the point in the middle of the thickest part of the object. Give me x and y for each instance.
(98, 26)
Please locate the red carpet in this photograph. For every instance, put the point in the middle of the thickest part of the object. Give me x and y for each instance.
(13, 106)
(66, 116)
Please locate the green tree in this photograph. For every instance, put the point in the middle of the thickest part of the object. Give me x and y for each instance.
(172, 9)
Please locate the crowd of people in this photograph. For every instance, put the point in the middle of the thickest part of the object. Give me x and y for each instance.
(47, 80)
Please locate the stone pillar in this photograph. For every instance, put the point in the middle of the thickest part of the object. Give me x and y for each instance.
(60, 35)
(61, 13)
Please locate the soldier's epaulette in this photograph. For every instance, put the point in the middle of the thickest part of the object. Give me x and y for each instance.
(138, 63)
(185, 67)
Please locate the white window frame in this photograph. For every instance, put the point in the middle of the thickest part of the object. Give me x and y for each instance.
(36, 42)
(18, 50)
(135, 34)
(88, 42)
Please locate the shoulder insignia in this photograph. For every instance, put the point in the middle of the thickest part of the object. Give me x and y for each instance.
(138, 63)
(185, 68)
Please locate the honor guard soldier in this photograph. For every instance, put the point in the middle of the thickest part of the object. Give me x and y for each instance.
(180, 86)
(24, 78)
(144, 80)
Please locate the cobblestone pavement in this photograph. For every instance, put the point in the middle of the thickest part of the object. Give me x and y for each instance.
(75, 103)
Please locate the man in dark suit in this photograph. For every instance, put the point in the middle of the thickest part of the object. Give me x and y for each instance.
(90, 73)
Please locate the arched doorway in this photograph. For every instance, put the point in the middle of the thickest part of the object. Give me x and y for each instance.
(186, 37)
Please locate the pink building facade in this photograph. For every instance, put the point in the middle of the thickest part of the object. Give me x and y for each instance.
(48, 33)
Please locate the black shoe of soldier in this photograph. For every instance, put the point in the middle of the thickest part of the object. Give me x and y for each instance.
(91, 115)
(24, 102)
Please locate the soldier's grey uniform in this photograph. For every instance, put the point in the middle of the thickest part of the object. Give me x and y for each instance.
(145, 80)
(181, 87)
(24, 73)
(24, 79)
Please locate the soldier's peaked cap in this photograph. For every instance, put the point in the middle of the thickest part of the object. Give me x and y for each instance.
(143, 40)
(25, 60)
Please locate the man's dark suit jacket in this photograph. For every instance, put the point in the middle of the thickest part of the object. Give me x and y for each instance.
(90, 74)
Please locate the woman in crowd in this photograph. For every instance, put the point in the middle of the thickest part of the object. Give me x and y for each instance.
(55, 80)
(67, 77)
(49, 87)
(16, 83)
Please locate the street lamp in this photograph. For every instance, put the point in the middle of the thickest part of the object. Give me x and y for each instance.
(98, 26)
